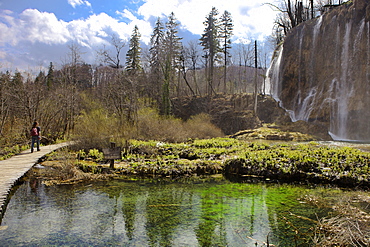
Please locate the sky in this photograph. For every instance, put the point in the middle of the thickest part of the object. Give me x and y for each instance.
(34, 33)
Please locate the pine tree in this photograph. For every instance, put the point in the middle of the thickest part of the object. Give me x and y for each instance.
(156, 59)
(172, 42)
(50, 76)
(156, 47)
(173, 47)
(226, 31)
(211, 45)
(165, 53)
(133, 62)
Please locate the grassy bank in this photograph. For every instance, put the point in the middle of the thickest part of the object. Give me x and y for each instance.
(288, 162)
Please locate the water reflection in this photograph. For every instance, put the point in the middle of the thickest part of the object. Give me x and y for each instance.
(212, 212)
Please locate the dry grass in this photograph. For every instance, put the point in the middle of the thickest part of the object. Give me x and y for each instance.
(61, 168)
(66, 172)
(152, 126)
(96, 129)
(350, 227)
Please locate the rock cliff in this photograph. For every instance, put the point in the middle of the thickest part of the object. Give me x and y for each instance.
(321, 73)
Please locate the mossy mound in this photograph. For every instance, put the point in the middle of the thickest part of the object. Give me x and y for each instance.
(272, 133)
(310, 162)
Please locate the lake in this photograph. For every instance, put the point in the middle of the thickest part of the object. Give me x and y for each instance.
(210, 211)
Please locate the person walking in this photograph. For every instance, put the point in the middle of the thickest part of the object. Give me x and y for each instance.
(36, 136)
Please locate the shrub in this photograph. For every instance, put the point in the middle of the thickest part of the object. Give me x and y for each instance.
(200, 126)
(152, 126)
(95, 129)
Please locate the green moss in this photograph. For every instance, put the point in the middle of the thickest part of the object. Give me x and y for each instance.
(286, 161)
(8, 152)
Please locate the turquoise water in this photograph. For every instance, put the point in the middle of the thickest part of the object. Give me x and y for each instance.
(201, 212)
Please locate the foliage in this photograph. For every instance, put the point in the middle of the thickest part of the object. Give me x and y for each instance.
(211, 45)
(226, 31)
(96, 155)
(133, 60)
(153, 126)
(8, 152)
(56, 98)
(310, 162)
(95, 129)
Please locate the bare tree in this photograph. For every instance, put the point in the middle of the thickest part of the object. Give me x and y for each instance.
(292, 13)
(243, 57)
(4, 100)
(192, 55)
(113, 59)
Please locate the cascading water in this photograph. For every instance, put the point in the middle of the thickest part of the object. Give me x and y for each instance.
(273, 86)
(321, 73)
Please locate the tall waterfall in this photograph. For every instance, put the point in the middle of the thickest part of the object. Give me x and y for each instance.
(321, 73)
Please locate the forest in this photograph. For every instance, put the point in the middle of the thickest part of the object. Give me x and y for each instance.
(119, 99)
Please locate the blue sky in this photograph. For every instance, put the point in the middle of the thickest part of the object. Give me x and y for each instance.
(34, 33)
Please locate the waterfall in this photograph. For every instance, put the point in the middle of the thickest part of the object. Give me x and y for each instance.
(305, 102)
(273, 85)
(340, 121)
(321, 73)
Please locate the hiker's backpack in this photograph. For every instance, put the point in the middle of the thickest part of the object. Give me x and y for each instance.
(34, 132)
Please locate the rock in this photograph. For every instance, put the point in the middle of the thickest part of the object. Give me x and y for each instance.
(322, 76)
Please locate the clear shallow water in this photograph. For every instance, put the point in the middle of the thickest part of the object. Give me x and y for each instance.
(211, 212)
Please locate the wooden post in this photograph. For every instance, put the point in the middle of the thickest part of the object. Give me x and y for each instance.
(255, 78)
(112, 145)
(112, 153)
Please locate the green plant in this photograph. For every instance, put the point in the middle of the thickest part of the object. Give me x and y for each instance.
(95, 154)
(81, 154)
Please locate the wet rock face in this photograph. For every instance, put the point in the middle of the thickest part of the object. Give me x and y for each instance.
(323, 74)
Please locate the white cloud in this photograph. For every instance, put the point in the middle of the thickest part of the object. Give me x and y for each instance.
(75, 3)
(35, 37)
(38, 37)
(33, 26)
(144, 25)
(249, 16)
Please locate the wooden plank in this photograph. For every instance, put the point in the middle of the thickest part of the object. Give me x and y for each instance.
(112, 153)
(12, 169)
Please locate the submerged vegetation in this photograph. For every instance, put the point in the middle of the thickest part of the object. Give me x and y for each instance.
(311, 162)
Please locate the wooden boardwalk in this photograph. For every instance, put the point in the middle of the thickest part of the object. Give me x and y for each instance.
(12, 169)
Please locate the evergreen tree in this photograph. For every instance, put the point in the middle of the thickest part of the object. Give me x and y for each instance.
(172, 42)
(211, 45)
(173, 47)
(226, 31)
(156, 57)
(156, 46)
(5, 100)
(40, 78)
(50, 76)
(133, 62)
